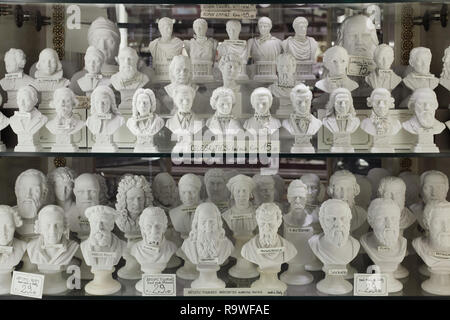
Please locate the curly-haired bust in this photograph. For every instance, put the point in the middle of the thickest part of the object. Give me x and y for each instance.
(12, 249)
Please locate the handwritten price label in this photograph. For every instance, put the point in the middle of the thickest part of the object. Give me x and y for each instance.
(370, 284)
(27, 284)
(161, 285)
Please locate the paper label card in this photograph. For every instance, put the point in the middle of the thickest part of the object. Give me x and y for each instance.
(27, 284)
(161, 285)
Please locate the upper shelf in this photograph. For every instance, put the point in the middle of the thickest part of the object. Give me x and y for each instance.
(112, 2)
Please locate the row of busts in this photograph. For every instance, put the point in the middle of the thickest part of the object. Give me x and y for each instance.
(199, 231)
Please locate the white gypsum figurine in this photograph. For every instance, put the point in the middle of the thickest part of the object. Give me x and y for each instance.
(264, 51)
(11, 248)
(15, 78)
(61, 183)
(93, 61)
(189, 188)
(102, 250)
(241, 220)
(385, 246)
(335, 61)
(4, 122)
(216, 188)
(298, 228)
(202, 51)
(27, 122)
(105, 119)
(335, 247)
(268, 249)
(423, 103)
(128, 79)
(223, 123)
(235, 46)
(445, 75)
(134, 194)
(302, 47)
(301, 123)
(383, 76)
(379, 124)
(282, 87)
(65, 124)
(434, 248)
(394, 188)
(164, 49)
(230, 66)
(207, 247)
(144, 123)
(180, 72)
(154, 250)
(52, 251)
(341, 120)
(262, 123)
(48, 76)
(420, 76)
(264, 190)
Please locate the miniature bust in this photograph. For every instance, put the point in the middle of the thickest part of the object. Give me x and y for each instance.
(341, 120)
(180, 72)
(165, 191)
(385, 246)
(230, 66)
(102, 250)
(235, 46)
(262, 122)
(64, 125)
(27, 122)
(15, 78)
(105, 119)
(296, 196)
(302, 47)
(207, 246)
(154, 251)
(128, 79)
(93, 61)
(223, 122)
(434, 249)
(343, 186)
(383, 76)
(423, 103)
(4, 122)
(335, 61)
(11, 249)
(165, 48)
(420, 76)
(379, 124)
(48, 76)
(264, 189)
(301, 123)
(216, 188)
(281, 89)
(264, 51)
(445, 75)
(144, 123)
(267, 249)
(335, 247)
(202, 51)
(61, 183)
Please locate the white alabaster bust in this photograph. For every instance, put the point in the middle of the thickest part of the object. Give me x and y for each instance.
(144, 123)
(27, 122)
(385, 246)
(216, 187)
(180, 72)
(265, 189)
(93, 61)
(223, 122)
(420, 76)
(335, 61)
(383, 76)
(164, 48)
(105, 119)
(302, 47)
(165, 191)
(262, 122)
(296, 195)
(301, 123)
(286, 80)
(61, 182)
(445, 75)
(15, 78)
(230, 65)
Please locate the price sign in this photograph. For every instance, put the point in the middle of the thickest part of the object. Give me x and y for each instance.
(27, 284)
(161, 285)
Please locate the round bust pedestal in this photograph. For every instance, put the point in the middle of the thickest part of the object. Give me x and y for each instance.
(207, 278)
(54, 283)
(103, 283)
(5, 281)
(243, 269)
(438, 283)
(268, 279)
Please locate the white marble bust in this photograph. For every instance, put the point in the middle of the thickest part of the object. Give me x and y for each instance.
(15, 60)
(11, 248)
(445, 75)
(52, 249)
(216, 187)
(262, 122)
(180, 72)
(27, 122)
(335, 61)
(61, 182)
(93, 61)
(302, 47)
(230, 65)
(297, 216)
(383, 76)
(165, 48)
(165, 191)
(144, 123)
(420, 76)
(265, 189)
(286, 80)
(301, 123)
(223, 122)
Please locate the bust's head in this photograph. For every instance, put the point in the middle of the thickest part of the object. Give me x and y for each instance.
(222, 100)
(446, 64)
(230, 65)
(48, 63)
(261, 100)
(153, 224)
(27, 98)
(104, 35)
(423, 102)
(312, 182)
(301, 98)
(436, 218)
(207, 220)
(93, 60)
(9, 221)
(381, 101)
(189, 188)
(51, 225)
(393, 188)
(200, 27)
(335, 60)
(434, 186)
(101, 221)
(183, 97)
(164, 188)
(144, 102)
(86, 190)
(296, 194)
(133, 195)
(103, 101)
(269, 219)
(241, 188)
(383, 56)
(15, 60)
(343, 186)
(335, 217)
(264, 25)
(420, 60)
(180, 70)
(340, 103)
(233, 28)
(300, 26)
(265, 188)
(64, 101)
(31, 191)
(216, 184)
(61, 180)
(165, 27)
(128, 61)
(383, 216)
(358, 35)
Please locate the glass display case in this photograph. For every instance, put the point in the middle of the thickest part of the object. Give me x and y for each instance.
(316, 93)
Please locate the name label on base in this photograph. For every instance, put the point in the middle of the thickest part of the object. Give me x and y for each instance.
(270, 250)
(370, 284)
(442, 255)
(337, 272)
(159, 285)
(97, 254)
(209, 261)
(234, 292)
(299, 230)
(27, 284)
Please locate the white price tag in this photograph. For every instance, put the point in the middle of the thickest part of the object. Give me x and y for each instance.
(27, 284)
(360, 66)
(159, 285)
(370, 284)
